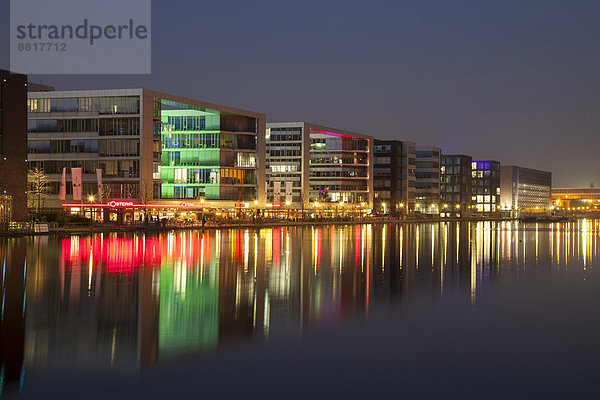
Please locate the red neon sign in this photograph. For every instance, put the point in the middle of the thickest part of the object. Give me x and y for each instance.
(116, 204)
(128, 204)
(357, 206)
(276, 205)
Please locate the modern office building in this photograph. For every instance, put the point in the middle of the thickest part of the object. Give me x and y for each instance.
(139, 149)
(13, 146)
(427, 173)
(318, 168)
(455, 186)
(394, 177)
(524, 190)
(485, 186)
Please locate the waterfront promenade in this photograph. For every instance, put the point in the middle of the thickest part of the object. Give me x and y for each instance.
(25, 229)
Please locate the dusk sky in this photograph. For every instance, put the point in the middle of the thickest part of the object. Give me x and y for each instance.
(515, 81)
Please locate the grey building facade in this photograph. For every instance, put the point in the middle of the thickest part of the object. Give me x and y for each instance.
(394, 181)
(427, 173)
(455, 185)
(310, 165)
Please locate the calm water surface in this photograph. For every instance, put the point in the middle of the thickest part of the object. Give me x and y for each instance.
(476, 310)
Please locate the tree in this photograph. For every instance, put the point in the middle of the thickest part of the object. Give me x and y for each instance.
(106, 191)
(39, 189)
(146, 195)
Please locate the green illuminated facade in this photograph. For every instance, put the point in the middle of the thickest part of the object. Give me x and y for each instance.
(189, 309)
(208, 154)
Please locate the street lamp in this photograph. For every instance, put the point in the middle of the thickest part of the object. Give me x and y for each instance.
(91, 200)
(383, 205)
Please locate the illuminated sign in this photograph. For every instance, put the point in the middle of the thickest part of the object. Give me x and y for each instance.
(276, 205)
(330, 133)
(357, 206)
(130, 204)
(116, 204)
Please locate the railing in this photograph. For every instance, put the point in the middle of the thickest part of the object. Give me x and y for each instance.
(20, 226)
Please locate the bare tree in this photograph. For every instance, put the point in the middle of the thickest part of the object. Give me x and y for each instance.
(106, 191)
(39, 189)
(146, 195)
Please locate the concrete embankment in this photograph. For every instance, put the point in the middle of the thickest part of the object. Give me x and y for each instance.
(84, 229)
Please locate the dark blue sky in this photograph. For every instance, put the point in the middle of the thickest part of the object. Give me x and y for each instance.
(516, 81)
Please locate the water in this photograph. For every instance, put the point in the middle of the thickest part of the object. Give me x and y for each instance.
(483, 309)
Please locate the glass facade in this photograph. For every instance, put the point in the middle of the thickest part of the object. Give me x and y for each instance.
(284, 164)
(100, 105)
(173, 151)
(339, 168)
(199, 159)
(89, 133)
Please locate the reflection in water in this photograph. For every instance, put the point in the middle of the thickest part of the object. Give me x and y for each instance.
(129, 301)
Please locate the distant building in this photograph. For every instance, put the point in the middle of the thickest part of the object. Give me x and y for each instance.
(485, 187)
(13, 146)
(38, 87)
(455, 188)
(427, 174)
(178, 154)
(394, 176)
(524, 190)
(570, 200)
(320, 168)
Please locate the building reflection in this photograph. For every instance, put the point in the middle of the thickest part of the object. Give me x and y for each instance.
(12, 317)
(130, 301)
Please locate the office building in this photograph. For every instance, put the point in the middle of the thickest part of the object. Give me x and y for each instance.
(140, 149)
(455, 186)
(427, 173)
(524, 190)
(394, 177)
(485, 187)
(322, 169)
(13, 147)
